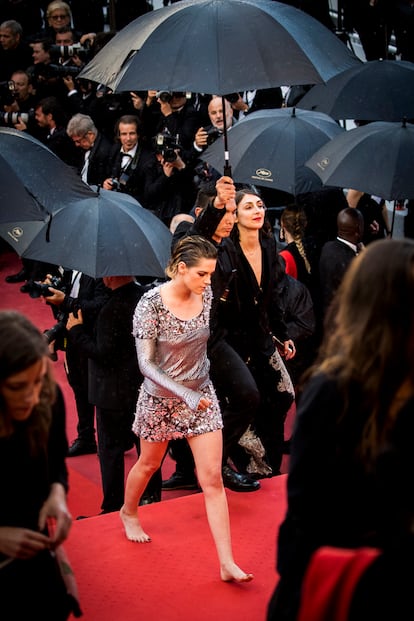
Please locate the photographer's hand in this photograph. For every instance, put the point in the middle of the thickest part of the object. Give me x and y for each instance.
(201, 138)
(74, 321)
(56, 298)
(107, 184)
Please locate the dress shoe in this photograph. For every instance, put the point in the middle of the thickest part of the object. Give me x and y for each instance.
(238, 482)
(27, 287)
(149, 499)
(19, 277)
(179, 480)
(79, 447)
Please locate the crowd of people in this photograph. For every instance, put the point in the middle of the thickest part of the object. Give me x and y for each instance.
(206, 364)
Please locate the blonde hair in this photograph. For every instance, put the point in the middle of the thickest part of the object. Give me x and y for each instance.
(55, 6)
(190, 250)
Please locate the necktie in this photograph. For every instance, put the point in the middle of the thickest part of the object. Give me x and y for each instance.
(126, 158)
(84, 173)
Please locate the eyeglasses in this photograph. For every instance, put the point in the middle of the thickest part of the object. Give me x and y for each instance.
(64, 16)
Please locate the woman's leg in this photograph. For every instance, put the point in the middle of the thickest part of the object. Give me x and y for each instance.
(150, 459)
(207, 451)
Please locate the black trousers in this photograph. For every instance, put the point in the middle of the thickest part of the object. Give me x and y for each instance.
(115, 436)
(239, 400)
(77, 369)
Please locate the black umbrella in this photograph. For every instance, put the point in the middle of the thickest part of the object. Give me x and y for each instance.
(38, 177)
(270, 147)
(34, 183)
(104, 234)
(219, 46)
(377, 90)
(376, 158)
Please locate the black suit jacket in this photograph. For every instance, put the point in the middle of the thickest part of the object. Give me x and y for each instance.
(99, 167)
(132, 177)
(114, 376)
(333, 263)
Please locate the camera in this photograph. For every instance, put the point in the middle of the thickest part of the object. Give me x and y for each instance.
(166, 145)
(7, 93)
(164, 96)
(9, 119)
(212, 134)
(116, 185)
(57, 333)
(232, 97)
(63, 70)
(65, 52)
(37, 289)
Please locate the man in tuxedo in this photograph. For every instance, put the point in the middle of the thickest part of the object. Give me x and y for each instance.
(336, 255)
(95, 167)
(79, 292)
(129, 160)
(114, 381)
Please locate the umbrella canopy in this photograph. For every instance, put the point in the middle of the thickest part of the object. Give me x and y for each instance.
(376, 158)
(106, 234)
(377, 90)
(38, 175)
(270, 147)
(17, 206)
(219, 46)
(34, 183)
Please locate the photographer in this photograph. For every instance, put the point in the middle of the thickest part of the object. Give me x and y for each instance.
(206, 136)
(129, 161)
(78, 291)
(179, 118)
(168, 186)
(17, 103)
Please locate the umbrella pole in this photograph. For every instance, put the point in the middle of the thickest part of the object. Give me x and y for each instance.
(393, 218)
(227, 167)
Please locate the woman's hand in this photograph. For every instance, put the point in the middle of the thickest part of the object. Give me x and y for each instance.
(55, 512)
(289, 349)
(204, 404)
(22, 543)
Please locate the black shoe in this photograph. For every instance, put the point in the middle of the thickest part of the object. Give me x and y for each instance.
(180, 481)
(79, 447)
(19, 277)
(238, 482)
(149, 499)
(27, 287)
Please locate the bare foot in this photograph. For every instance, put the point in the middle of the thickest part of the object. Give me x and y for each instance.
(133, 528)
(232, 573)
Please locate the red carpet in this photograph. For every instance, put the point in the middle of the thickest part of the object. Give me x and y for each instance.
(175, 577)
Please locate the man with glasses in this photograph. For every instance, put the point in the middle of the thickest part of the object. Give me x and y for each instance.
(96, 164)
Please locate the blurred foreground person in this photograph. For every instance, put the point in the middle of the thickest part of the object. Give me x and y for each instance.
(341, 492)
(34, 517)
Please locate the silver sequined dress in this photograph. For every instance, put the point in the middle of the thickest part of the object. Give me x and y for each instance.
(173, 360)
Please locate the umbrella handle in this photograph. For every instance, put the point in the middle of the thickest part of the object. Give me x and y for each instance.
(227, 167)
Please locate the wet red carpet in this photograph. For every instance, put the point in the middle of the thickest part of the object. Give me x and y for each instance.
(176, 576)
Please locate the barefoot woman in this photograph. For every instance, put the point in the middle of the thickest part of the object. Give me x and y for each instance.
(177, 399)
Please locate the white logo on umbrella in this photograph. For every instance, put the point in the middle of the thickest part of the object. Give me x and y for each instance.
(263, 174)
(15, 233)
